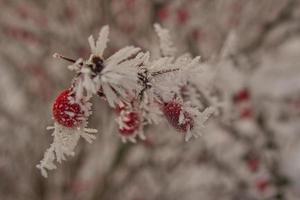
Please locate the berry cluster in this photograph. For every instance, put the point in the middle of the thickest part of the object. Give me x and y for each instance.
(140, 89)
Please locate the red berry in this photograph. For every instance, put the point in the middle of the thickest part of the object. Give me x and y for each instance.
(182, 16)
(262, 185)
(246, 113)
(79, 186)
(197, 34)
(242, 96)
(66, 112)
(132, 124)
(172, 112)
(253, 164)
(129, 120)
(130, 4)
(163, 13)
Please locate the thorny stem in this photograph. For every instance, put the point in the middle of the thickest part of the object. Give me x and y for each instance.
(144, 80)
(57, 55)
(164, 71)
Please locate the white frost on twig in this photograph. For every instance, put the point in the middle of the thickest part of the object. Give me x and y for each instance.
(101, 43)
(64, 142)
(166, 44)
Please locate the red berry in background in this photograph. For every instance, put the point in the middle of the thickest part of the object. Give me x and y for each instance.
(241, 96)
(182, 16)
(163, 13)
(172, 112)
(253, 164)
(246, 113)
(130, 4)
(78, 186)
(66, 112)
(262, 185)
(197, 34)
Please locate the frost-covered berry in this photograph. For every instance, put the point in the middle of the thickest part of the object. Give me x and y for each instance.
(66, 111)
(70, 125)
(129, 121)
(177, 117)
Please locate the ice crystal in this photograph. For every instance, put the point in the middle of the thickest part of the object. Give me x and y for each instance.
(64, 142)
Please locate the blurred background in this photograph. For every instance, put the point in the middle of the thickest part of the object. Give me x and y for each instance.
(253, 155)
